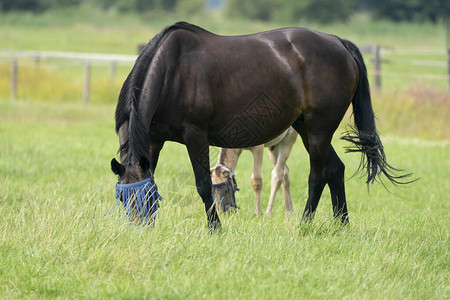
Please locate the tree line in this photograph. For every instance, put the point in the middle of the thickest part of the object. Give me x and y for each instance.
(322, 11)
(328, 11)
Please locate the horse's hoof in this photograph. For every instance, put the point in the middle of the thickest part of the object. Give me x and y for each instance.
(215, 226)
(345, 221)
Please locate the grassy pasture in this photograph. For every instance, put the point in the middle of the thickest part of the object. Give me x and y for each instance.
(56, 241)
(55, 183)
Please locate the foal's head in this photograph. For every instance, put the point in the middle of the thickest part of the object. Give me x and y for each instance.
(224, 188)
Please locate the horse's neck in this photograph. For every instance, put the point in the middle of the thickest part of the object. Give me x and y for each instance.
(229, 157)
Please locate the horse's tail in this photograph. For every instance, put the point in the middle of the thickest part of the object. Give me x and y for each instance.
(364, 136)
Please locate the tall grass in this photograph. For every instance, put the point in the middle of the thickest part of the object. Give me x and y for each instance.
(61, 81)
(418, 111)
(57, 243)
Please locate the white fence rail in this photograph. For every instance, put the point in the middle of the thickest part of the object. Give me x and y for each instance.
(114, 59)
(87, 58)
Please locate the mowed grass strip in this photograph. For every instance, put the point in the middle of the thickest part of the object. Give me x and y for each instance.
(56, 242)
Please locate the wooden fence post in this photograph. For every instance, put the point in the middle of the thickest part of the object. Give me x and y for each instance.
(377, 65)
(140, 47)
(14, 79)
(113, 69)
(87, 82)
(37, 61)
(374, 51)
(448, 69)
(448, 55)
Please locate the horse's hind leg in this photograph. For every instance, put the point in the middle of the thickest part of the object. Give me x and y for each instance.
(318, 145)
(326, 167)
(336, 184)
(318, 149)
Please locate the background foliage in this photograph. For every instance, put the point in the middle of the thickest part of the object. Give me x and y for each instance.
(322, 11)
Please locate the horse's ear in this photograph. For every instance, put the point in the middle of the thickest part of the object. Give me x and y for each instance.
(226, 173)
(117, 167)
(144, 163)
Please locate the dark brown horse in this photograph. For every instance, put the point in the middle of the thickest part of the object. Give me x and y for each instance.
(191, 86)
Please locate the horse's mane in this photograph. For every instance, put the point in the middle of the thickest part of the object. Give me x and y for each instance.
(127, 107)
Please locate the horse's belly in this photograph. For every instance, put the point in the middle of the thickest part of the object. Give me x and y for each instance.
(239, 135)
(253, 126)
(276, 140)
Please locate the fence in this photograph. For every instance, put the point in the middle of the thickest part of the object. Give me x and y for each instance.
(374, 64)
(418, 65)
(87, 58)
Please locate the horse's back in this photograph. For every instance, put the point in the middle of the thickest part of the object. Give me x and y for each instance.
(287, 58)
(260, 82)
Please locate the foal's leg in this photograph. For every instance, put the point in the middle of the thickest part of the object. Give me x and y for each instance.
(287, 191)
(256, 178)
(280, 174)
(277, 177)
(285, 150)
(196, 141)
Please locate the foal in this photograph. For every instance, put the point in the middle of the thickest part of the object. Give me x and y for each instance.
(223, 173)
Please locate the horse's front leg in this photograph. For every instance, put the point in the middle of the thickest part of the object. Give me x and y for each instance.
(154, 150)
(196, 142)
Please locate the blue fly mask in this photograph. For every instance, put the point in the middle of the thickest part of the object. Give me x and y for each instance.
(221, 190)
(139, 199)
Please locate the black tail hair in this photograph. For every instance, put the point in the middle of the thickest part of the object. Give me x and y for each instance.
(364, 135)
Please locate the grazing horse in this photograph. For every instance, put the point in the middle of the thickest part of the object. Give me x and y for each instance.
(197, 88)
(224, 183)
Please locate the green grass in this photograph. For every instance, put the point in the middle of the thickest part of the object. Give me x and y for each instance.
(57, 243)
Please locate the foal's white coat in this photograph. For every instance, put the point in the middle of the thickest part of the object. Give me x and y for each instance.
(279, 151)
